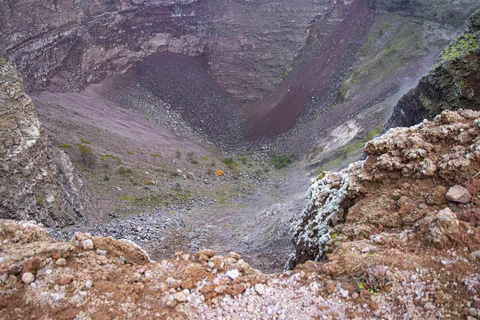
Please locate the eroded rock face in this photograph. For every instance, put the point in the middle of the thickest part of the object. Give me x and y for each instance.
(404, 180)
(439, 10)
(69, 44)
(453, 82)
(36, 181)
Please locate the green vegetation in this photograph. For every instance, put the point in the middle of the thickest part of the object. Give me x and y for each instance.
(106, 178)
(204, 158)
(79, 132)
(191, 157)
(243, 160)
(65, 146)
(178, 187)
(280, 162)
(124, 171)
(40, 202)
(230, 163)
(130, 152)
(402, 46)
(463, 45)
(127, 198)
(84, 141)
(87, 157)
(155, 155)
(178, 154)
(109, 156)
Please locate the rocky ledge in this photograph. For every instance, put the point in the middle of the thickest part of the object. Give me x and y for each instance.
(395, 236)
(36, 181)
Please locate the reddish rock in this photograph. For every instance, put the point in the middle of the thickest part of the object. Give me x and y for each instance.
(472, 215)
(31, 265)
(65, 279)
(208, 253)
(187, 284)
(473, 186)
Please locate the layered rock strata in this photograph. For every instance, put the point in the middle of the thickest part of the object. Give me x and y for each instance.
(36, 181)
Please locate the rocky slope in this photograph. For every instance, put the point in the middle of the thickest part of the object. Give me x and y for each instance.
(402, 185)
(397, 236)
(37, 181)
(452, 83)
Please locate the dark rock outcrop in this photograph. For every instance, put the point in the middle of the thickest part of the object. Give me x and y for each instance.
(248, 45)
(37, 182)
(403, 180)
(452, 84)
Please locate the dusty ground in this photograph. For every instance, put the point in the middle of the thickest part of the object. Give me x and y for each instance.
(172, 199)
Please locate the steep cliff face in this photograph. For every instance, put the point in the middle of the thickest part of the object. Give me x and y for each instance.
(36, 181)
(453, 82)
(68, 44)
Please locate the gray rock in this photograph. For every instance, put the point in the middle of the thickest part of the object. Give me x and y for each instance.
(458, 194)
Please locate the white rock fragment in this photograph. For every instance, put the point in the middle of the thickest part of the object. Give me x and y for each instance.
(260, 289)
(28, 277)
(233, 274)
(87, 244)
(344, 293)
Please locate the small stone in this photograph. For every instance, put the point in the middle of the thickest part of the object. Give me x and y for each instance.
(260, 289)
(65, 279)
(50, 199)
(355, 296)
(15, 239)
(101, 252)
(473, 312)
(88, 284)
(187, 284)
(28, 277)
(331, 287)
(458, 194)
(61, 262)
(239, 288)
(11, 280)
(344, 293)
(233, 274)
(121, 260)
(87, 244)
(181, 296)
(366, 250)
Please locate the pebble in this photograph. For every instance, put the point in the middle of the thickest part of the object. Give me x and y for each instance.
(88, 284)
(28, 277)
(344, 293)
(101, 252)
(473, 312)
(87, 244)
(181, 296)
(233, 274)
(260, 289)
(61, 262)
